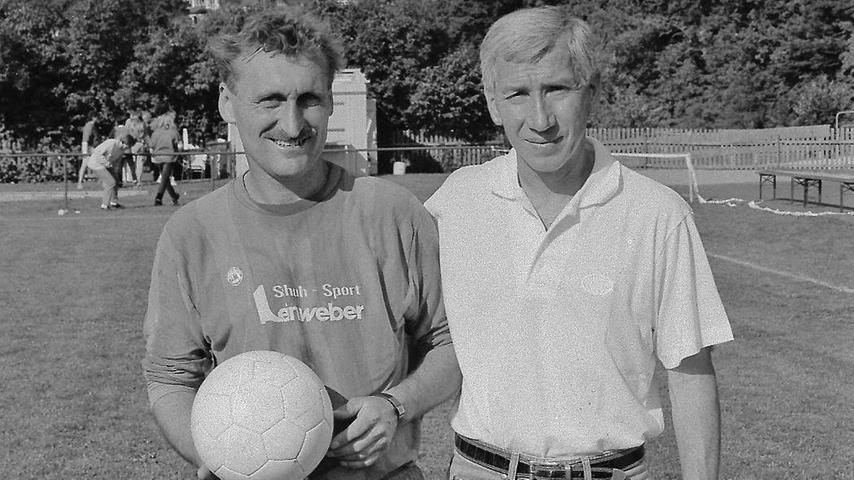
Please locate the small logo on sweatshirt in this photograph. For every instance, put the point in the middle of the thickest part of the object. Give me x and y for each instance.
(234, 276)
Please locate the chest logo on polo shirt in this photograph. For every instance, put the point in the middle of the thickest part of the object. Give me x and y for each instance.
(326, 311)
(234, 276)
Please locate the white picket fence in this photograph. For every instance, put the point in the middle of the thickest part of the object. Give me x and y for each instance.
(808, 147)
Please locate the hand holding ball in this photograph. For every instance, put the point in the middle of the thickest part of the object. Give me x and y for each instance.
(262, 415)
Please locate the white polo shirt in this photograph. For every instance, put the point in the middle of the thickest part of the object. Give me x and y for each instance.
(558, 330)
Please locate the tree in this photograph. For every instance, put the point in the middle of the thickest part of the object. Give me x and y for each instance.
(172, 69)
(448, 99)
(393, 42)
(817, 101)
(29, 49)
(62, 60)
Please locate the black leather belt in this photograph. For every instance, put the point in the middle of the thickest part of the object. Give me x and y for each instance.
(501, 462)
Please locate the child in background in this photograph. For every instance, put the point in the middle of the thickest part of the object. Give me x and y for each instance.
(101, 161)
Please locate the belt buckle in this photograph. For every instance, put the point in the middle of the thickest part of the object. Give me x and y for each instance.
(547, 471)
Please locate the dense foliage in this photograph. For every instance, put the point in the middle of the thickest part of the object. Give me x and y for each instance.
(679, 63)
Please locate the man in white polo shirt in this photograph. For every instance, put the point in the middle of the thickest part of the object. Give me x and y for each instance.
(567, 277)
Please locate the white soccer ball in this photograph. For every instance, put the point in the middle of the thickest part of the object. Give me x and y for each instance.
(262, 415)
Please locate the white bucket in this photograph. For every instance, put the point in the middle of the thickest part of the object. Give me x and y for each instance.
(398, 168)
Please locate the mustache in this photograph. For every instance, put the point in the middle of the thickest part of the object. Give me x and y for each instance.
(304, 135)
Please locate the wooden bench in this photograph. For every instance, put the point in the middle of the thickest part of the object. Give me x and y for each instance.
(809, 179)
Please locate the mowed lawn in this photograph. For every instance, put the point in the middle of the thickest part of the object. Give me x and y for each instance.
(73, 293)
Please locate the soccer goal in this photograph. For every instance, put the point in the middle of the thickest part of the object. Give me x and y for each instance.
(678, 163)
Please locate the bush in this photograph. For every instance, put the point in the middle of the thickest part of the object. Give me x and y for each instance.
(37, 170)
(9, 172)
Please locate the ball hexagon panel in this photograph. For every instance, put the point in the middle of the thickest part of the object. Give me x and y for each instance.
(257, 406)
(209, 450)
(276, 372)
(314, 416)
(242, 450)
(217, 417)
(300, 395)
(228, 379)
(284, 440)
(311, 455)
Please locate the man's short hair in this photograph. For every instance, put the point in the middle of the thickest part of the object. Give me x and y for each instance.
(528, 35)
(285, 30)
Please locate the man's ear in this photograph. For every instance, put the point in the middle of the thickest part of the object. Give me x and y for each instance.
(493, 108)
(595, 89)
(226, 104)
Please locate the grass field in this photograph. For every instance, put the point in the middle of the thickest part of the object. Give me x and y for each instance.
(73, 291)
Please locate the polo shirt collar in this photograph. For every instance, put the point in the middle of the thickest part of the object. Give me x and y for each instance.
(505, 183)
(602, 184)
(604, 180)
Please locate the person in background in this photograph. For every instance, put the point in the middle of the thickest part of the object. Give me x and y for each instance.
(135, 127)
(299, 256)
(164, 143)
(101, 162)
(120, 130)
(143, 152)
(89, 135)
(567, 278)
(177, 165)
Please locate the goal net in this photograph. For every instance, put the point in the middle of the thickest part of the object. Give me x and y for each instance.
(679, 165)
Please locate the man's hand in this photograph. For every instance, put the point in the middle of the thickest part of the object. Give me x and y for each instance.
(204, 474)
(369, 435)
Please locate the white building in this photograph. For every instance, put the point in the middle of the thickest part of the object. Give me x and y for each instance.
(204, 4)
(200, 7)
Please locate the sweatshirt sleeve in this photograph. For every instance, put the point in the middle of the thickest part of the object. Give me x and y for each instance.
(176, 354)
(425, 319)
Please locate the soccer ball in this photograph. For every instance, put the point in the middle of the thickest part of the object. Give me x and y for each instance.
(262, 415)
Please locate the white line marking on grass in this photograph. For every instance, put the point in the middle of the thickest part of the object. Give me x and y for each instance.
(793, 276)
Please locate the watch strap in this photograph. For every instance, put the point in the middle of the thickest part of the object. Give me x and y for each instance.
(399, 409)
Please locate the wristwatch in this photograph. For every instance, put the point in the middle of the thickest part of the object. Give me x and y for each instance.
(399, 409)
